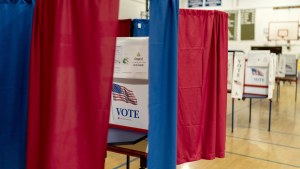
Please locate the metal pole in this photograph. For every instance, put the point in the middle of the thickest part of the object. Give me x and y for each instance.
(147, 5)
(250, 110)
(232, 115)
(270, 113)
(127, 162)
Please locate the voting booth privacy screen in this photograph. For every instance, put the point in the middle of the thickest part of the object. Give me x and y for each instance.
(15, 37)
(82, 79)
(202, 85)
(71, 73)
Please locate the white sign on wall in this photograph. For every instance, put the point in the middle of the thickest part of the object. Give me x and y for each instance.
(195, 3)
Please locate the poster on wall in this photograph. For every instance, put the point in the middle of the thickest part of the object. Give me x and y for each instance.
(248, 24)
(131, 58)
(213, 2)
(129, 105)
(232, 24)
(195, 3)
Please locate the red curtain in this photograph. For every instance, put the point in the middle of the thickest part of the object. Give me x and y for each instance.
(71, 68)
(202, 85)
(124, 28)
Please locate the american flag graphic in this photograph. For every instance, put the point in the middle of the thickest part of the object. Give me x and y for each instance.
(288, 66)
(121, 93)
(257, 72)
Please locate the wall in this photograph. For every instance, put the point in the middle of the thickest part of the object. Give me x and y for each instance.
(264, 14)
(130, 9)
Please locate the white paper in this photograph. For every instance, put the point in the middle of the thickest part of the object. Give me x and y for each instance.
(257, 53)
(259, 59)
(131, 58)
(281, 67)
(256, 90)
(272, 75)
(238, 76)
(257, 76)
(290, 64)
(229, 70)
(128, 114)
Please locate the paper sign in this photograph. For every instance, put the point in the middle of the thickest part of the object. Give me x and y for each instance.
(280, 72)
(290, 64)
(213, 2)
(272, 75)
(257, 73)
(229, 70)
(195, 3)
(256, 90)
(238, 76)
(258, 58)
(131, 58)
(256, 76)
(129, 105)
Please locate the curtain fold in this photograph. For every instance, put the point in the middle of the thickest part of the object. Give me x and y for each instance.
(163, 41)
(71, 68)
(124, 29)
(202, 85)
(15, 36)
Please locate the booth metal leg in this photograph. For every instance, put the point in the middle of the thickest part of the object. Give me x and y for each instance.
(232, 116)
(296, 90)
(250, 109)
(278, 91)
(143, 162)
(127, 162)
(270, 113)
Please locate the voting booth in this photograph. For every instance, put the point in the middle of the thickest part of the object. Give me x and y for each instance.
(129, 106)
(129, 116)
(254, 74)
(287, 72)
(254, 78)
(290, 64)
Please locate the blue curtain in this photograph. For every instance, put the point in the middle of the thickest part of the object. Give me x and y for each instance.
(163, 41)
(15, 36)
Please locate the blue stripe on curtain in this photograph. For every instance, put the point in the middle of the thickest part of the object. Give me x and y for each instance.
(15, 36)
(163, 84)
